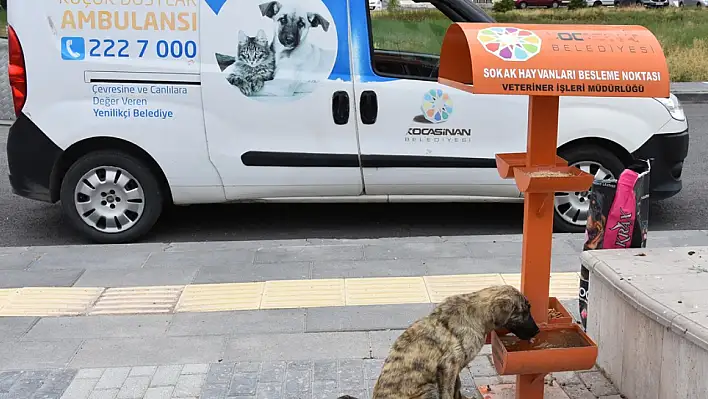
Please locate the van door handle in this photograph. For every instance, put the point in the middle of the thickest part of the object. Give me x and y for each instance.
(369, 106)
(340, 107)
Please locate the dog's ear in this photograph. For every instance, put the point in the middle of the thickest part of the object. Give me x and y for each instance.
(502, 308)
(270, 8)
(317, 20)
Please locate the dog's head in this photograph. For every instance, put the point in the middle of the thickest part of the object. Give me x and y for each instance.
(292, 25)
(512, 311)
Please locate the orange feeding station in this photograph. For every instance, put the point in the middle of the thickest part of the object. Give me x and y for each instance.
(545, 62)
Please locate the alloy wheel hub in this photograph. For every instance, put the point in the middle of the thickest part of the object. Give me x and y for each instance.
(573, 207)
(109, 199)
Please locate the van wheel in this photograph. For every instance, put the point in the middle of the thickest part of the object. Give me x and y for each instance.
(523, 5)
(555, 4)
(571, 209)
(597, 4)
(111, 197)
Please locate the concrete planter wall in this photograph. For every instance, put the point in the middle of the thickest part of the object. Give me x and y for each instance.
(647, 347)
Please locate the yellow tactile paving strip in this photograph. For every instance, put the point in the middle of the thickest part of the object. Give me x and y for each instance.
(277, 294)
(50, 301)
(137, 300)
(220, 297)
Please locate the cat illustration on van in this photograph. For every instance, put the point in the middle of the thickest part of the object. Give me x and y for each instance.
(254, 63)
(291, 63)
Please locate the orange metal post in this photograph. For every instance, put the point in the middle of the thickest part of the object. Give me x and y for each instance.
(541, 147)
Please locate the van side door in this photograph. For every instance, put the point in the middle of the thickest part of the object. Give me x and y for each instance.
(416, 136)
(278, 95)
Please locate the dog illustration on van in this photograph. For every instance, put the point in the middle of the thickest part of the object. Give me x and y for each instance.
(289, 63)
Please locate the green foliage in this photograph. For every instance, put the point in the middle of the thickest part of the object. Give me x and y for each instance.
(393, 5)
(576, 4)
(503, 6)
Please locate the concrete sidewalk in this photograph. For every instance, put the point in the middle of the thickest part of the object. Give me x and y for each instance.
(292, 351)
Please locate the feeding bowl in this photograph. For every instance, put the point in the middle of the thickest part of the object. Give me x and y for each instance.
(557, 313)
(555, 348)
(506, 163)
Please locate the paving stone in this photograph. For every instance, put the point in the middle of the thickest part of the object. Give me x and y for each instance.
(247, 272)
(351, 375)
(80, 388)
(134, 387)
(247, 367)
(47, 278)
(220, 374)
(298, 378)
(189, 385)
(273, 371)
(368, 268)
(57, 328)
(55, 384)
(372, 368)
(120, 352)
(271, 390)
(365, 318)
(567, 378)
(138, 277)
(7, 379)
(15, 327)
(142, 371)
(214, 391)
(325, 370)
(309, 253)
(28, 383)
(89, 373)
(578, 392)
(113, 378)
(243, 384)
(195, 368)
(166, 375)
(104, 394)
(238, 322)
(599, 385)
(33, 355)
(419, 250)
(481, 366)
(199, 259)
(159, 393)
(313, 346)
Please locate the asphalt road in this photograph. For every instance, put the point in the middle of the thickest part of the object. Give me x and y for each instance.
(24, 222)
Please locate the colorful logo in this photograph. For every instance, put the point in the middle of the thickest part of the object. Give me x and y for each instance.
(73, 48)
(510, 44)
(437, 106)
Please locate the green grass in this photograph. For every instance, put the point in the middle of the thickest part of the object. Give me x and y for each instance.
(683, 33)
(3, 23)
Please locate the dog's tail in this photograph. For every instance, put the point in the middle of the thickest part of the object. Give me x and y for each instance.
(346, 397)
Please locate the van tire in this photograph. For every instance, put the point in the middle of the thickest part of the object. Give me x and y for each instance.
(152, 196)
(586, 153)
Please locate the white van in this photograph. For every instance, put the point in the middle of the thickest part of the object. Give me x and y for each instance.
(126, 106)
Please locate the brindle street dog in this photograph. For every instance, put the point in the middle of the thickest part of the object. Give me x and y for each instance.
(425, 361)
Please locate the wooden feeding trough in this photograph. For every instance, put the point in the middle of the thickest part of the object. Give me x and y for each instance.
(545, 62)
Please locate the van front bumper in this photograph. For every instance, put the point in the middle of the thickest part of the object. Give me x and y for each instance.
(31, 157)
(667, 153)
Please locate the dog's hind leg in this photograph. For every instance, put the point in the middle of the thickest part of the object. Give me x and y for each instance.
(458, 389)
(448, 377)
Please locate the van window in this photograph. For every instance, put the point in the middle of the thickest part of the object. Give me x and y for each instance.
(406, 43)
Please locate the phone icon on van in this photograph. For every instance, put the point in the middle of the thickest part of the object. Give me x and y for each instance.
(73, 48)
